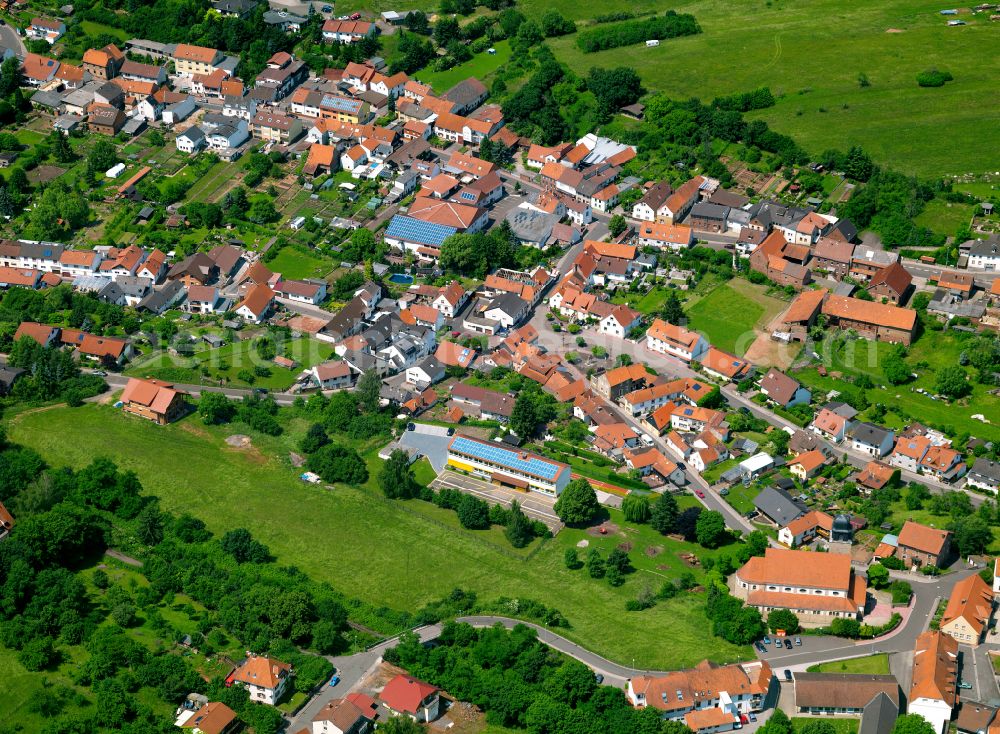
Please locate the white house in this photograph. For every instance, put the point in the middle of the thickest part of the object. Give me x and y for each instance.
(620, 322)
(451, 299)
(334, 375)
(871, 439)
(265, 678)
(985, 254)
(257, 304)
(985, 475)
(191, 140)
(677, 341)
(935, 679)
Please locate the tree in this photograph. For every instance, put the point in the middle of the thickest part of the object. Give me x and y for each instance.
(523, 420)
(972, 535)
(38, 654)
(912, 724)
(842, 627)
(617, 225)
(518, 532)
(710, 529)
(572, 559)
(554, 24)
(215, 408)
(687, 523)
(878, 575)
(239, 544)
(400, 725)
(578, 503)
(473, 513)
(595, 564)
(614, 88)
(396, 479)
(757, 542)
(58, 212)
(149, 525)
(895, 369)
(102, 156)
(636, 508)
(672, 311)
(338, 464)
(783, 619)
(61, 149)
(663, 515)
(367, 392)
(952, 382)
(315, 439)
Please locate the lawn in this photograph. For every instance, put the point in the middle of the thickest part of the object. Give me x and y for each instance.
(817, 66)
(872, 665)
(944, 217)
(383, 552)
(296, 263)
(840, 726)
(936, 349)
(228, 361)
(732, 314)
(92, 28)
(481, 66)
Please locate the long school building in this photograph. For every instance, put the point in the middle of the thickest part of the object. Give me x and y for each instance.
(507, 467)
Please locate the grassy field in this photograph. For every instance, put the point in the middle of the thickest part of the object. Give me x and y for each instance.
(944, 217)
(731, 314)
(816, 67)
(937, 349)
(227, 361)
(873, 665)
(92, 28)
(294, 264)
(398, 554)
(481, 66)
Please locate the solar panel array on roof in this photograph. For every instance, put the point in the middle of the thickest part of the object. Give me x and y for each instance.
(504, 457)
(343, 104)
(409, 229)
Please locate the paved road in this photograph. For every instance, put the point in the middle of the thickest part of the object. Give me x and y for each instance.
(11, 39)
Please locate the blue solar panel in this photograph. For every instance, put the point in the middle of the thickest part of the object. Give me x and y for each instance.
(342, 104)
(688, 411)
(415, 230)
(505, 457)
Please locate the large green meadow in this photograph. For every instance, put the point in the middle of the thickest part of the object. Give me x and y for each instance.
(813, 54)
(398, 554)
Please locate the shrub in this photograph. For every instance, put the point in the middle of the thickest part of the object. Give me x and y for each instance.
(933, 78)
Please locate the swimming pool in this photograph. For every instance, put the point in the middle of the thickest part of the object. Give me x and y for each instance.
(401, 278)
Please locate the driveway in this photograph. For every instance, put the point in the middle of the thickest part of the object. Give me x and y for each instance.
(10, 38)
(430, 441)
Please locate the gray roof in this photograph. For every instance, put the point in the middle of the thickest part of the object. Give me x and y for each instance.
(944, 302)
(983, 248)
(509, 303)
(531, 225)
(986, 469)
(780, 506)
(466, 93)
(842, 409)
(194, 133)
(159, 300)
(843, 690)
(869, 433)
(707, 210)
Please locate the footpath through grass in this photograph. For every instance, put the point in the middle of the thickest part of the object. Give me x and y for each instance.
(397, 554)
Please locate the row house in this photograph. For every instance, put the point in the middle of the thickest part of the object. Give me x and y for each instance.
(276, 127)
(138, 72)
(664, 235)
(347, 31)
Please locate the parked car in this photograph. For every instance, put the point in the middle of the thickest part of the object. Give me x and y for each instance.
(798, 641)
(700, 493)
(599, 679)
(411, 426)
(788, 644)
(766, 640)
(356, 16)
(964, 684)
(723, 492)
(744, 719)
(788, 675)
(753, 717)
(334, 681)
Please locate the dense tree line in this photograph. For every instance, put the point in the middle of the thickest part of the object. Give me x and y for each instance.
(520, 682)
(476, 254)
(670, 25)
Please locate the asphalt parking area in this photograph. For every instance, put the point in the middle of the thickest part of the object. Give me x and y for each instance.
(430, 444)
(534, 505)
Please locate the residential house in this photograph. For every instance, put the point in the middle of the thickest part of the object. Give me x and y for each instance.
(910, 452)
(103, 63)
(451, 299)
(153, 400)
(694, 419)
(985, 475)
(872, 439)
(648, 208)
(816, 587)
(196, 269)
(782, 261)
(308, 291)
(335, 375)
(212, 718)
(467, 95)
(620, 381)
(676, 341)
(191, 60)
(45, 29)
(347, 31)
(106, 120)
(135, 71)
(807, 465)
(724, 366)
(257, 304)
(679, 203)
(843, 694)
(968, 612)
(462, 218)
(203, 299)
(783, 390)
(408, 696)
(620, 322)
(834, 421)
(507, 310)
(803, 529)
(665, 235)
(486, 404)
(38, 70)
(778, 507)
(934, 691)
(920, 545)
(265, 678)
(342, 716)
(833, 256)
(984, 254)
(891, 284)
(276, 127)
(729, 690)
(875, 475)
